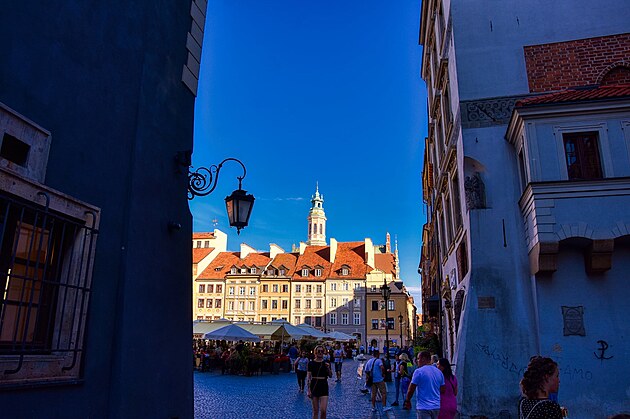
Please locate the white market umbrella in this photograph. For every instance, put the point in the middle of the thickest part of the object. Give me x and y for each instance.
(201, 327)
(231, 332)
(289, 330)
(340, 336)
(310, 330)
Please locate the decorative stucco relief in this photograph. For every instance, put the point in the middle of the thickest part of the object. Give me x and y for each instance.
(488, 112)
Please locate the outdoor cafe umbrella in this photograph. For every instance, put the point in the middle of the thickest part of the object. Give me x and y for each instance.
(340, 336)
(232, 332)
(289, 330)
(311, 331)
(202, 327)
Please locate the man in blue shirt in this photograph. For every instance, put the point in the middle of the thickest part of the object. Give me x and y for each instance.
(376, 368)
(430, 384)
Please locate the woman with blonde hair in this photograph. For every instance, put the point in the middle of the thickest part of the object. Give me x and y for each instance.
(404, 374)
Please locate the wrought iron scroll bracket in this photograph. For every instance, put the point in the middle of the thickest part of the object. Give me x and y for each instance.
(203, 181)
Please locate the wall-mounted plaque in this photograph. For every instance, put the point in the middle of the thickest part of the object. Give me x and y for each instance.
(486, 302)
(573, 318)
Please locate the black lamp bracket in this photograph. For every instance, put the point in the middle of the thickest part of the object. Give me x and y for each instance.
(203, 181)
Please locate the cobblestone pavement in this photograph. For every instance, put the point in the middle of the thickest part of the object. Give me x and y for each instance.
(276, 397)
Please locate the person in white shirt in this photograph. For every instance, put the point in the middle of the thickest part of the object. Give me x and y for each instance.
(430, 384)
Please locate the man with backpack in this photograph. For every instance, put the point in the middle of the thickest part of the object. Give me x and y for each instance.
(375, 378)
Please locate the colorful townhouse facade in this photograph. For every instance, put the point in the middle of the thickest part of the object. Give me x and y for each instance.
(323, 285)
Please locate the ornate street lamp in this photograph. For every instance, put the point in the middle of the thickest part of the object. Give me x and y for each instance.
(400, 320)
(386, 292)
(239, 204)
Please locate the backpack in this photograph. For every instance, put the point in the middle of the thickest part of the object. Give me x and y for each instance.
(369, 377)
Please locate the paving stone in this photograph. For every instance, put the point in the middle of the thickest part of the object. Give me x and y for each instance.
(276, 397)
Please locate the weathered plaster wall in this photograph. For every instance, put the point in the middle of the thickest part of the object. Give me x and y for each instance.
(593, 380)
(105, 79)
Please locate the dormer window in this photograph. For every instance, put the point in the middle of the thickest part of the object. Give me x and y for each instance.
(233, 271)
(318, 272)
(345, 271)
(304, 272)
(282, 272)
(252, 270)
(243, 270)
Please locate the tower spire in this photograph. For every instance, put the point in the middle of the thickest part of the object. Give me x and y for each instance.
(396, 256)
(317, 220)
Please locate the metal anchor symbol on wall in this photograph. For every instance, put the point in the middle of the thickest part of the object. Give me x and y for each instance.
(603, 346)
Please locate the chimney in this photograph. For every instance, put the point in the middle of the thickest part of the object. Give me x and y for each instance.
(302, 248)
(220, 240)
(274, 250)
(246, 250)
(369, 252)
(333, 250)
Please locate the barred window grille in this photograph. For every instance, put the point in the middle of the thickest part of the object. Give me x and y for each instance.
(45, 263)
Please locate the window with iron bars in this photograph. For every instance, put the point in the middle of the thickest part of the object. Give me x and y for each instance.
(47, 243)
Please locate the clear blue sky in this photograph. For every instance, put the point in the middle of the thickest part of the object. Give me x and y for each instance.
(321, 91)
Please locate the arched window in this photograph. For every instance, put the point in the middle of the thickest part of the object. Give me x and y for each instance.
(619, 74)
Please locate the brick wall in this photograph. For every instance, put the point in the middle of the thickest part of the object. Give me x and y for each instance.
(581, 62)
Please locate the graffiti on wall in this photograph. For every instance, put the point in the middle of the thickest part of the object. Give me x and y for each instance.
(503, 360)
(603, 346)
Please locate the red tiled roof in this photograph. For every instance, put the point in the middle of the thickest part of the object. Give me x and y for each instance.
(385, 262)
(203, 235)
(579, 95)
(224, 261)
(255, 259)
(313, 256)
(200, 253)
(288, 260)
(352, 255)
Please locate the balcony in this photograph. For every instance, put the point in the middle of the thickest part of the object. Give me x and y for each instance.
(588, 210)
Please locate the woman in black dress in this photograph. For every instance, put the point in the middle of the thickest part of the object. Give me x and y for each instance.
(540, 378)
(317, 378)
